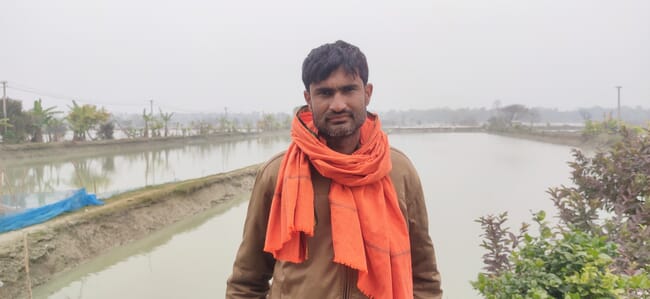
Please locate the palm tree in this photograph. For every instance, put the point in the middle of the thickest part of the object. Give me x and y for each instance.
(166, 117)
(40, 119)
(148, 118)
(156, 125)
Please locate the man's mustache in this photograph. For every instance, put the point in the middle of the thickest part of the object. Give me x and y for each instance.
(334, 114)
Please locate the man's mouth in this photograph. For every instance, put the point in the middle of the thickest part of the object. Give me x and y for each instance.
(339, 118)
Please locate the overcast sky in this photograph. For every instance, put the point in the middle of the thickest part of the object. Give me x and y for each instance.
(204, 55)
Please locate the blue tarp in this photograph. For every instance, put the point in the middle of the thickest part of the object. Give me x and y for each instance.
(41, 214)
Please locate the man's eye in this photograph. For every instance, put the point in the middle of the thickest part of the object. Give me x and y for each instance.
(326, 93)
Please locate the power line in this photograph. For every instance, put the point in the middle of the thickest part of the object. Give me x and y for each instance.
(64, 97)
(52, 95)
(184, 110)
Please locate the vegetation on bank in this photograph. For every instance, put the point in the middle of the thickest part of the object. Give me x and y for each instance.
(473, 117)
(88, 122)
(520, 120)
(601, 246)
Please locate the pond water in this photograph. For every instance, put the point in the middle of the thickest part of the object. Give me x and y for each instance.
(27, 185)
(464, 176)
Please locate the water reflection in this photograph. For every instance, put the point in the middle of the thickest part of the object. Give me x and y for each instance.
(137, 257)
(29, 184)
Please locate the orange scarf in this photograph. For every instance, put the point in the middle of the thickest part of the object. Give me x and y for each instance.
(369, 232)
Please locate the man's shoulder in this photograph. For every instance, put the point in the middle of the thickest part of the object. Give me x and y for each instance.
(272, 165)
(399, 158)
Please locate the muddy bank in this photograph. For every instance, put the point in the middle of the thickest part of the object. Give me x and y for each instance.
(572, 139)
(69, 240)
(404, 130)
(569, 138)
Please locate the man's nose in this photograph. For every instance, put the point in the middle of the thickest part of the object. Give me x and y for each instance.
(338, 103)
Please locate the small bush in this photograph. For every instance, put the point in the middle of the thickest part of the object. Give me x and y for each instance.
(568, 264)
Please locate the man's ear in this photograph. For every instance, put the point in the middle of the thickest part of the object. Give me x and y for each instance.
(307, 96)
(367, 90)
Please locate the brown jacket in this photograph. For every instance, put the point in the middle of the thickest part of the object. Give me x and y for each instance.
(319, 277)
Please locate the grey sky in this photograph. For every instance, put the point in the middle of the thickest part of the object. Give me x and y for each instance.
(202, 56)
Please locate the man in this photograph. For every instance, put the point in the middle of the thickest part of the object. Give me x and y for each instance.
(340, 214)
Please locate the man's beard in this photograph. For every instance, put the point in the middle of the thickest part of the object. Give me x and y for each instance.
(327, 131)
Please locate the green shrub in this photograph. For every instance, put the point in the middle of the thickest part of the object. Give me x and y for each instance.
(610, 198)
(557, 263)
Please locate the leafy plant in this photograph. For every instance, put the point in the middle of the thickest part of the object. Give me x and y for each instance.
(15, 128)
(84, 118)
(557, 264)
(106, 130)
(610, 198)
(601, 247)
(499, 242)
(595, 128)
(41, 118)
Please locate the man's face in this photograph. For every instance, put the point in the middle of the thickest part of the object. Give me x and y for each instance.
(338, 104)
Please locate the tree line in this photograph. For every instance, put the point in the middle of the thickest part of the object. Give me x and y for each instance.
(515, 112)
(89, 122)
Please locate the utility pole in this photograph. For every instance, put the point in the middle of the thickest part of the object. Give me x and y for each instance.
(619, 103)
(4, 102)
(151, 104)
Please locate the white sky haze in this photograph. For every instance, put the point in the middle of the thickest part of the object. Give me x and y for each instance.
(202, 56)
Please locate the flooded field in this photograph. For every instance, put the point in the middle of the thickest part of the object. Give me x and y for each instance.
(464, 176)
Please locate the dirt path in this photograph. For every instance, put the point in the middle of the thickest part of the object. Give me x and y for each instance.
(69, 240)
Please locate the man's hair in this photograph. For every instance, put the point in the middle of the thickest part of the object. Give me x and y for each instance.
(324, 60)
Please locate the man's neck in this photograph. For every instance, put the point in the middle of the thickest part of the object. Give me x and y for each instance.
(344, 145)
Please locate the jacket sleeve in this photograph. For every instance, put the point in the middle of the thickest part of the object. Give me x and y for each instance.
(253, 268)
(426, 278)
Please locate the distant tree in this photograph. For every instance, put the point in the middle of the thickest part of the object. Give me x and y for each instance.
(127, 128)
(84, 118)
(496, 123)
(224, 124)
(267, 123)
(203, 127)
(4, 123)
(584, 114)
(18, 123)
(148, 119)
(179, 128)
(533, 116)
(166, 118)
(513, 113)
(106, 130)
(40, 119)
(234, 125)
(248, 126)
(156, 126)
(56, 129)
